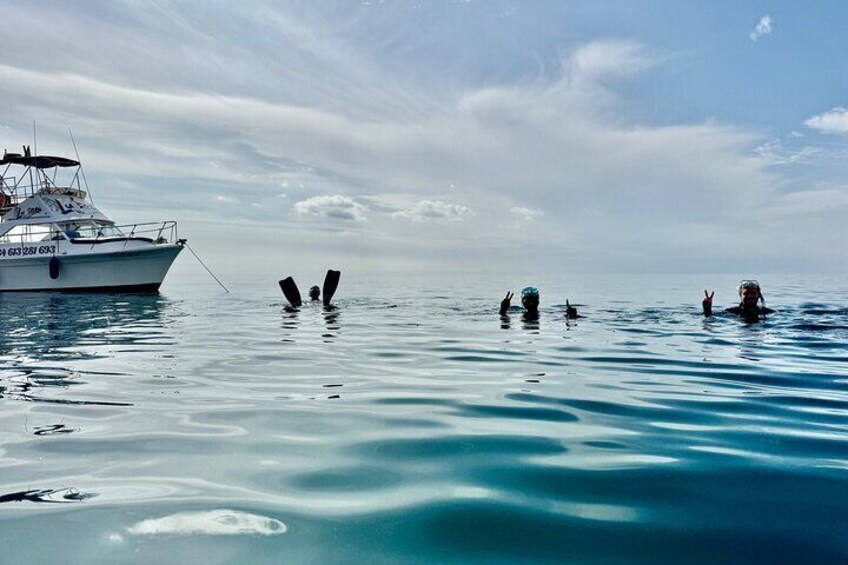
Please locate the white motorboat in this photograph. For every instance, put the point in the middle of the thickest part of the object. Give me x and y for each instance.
(53, 238)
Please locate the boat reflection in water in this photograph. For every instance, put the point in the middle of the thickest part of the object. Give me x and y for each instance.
(46, 339)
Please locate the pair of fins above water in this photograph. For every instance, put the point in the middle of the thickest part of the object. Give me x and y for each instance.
(292, 294)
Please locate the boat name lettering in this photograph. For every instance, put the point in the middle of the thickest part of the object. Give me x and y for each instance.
(28, 250)
(21, 213)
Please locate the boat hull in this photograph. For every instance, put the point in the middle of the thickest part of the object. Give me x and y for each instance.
(131, 270)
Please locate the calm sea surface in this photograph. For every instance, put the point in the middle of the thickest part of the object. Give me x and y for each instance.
(412, 424)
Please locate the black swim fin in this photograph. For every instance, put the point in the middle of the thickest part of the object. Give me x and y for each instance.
(331, 283)
(291, 292)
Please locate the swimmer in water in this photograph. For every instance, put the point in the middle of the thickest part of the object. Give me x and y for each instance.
(314, 293)
(530, 302)
(750, 297)
(292, 294)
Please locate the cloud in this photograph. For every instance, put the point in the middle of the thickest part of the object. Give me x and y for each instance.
(784, 151)
(609, 58)
(834, 121)
(526, 214)
(426, 210)
(564, 146)
(811, 203)
(763, 27)
(336, 207)
(331, 99)
(211, 523)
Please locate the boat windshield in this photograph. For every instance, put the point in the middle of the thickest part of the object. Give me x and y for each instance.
(85, 229)
(89, 229)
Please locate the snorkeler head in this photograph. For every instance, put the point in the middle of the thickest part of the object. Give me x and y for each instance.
(750, 293)
(530, 298)
(314, 292)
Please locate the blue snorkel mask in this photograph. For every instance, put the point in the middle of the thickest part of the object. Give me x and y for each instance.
(530, 297)
(529, 291)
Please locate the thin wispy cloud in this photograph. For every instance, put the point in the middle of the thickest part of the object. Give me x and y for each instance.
(786, 151)
(809, 203)
(429, 210)
(387, 122)
(610, 58)
(534, 146)
(764, 27)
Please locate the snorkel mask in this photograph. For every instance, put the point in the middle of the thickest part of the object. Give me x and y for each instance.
(530, 297)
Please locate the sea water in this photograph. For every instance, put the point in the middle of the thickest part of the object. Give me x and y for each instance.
(413, 424)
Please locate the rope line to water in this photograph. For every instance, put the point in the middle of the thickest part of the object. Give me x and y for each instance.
(208, 270)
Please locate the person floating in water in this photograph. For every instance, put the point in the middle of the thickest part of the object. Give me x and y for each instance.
(314, 293)
(292, 294)
(530, 302)
(750, 296)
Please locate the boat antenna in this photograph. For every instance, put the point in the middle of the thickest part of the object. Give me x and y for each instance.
(38, 172)
(88, 190)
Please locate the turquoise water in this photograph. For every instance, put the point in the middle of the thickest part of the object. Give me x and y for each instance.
(412, 424)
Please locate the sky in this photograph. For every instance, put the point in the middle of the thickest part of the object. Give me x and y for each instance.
(443, 136)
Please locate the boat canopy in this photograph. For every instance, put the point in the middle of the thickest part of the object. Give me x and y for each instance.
(39, 161)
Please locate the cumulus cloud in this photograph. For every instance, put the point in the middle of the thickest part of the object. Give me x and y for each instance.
(335, 207)
(834, 121)
(763, 27)
(426, 210)
(526, 214)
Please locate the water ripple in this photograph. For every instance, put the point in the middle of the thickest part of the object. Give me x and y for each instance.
(411, 425)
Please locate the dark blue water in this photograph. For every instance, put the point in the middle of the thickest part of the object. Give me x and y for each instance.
(412, 424)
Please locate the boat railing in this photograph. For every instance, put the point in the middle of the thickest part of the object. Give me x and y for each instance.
(31, 238)
(21, 188)
(8, 194)
(158, 233)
